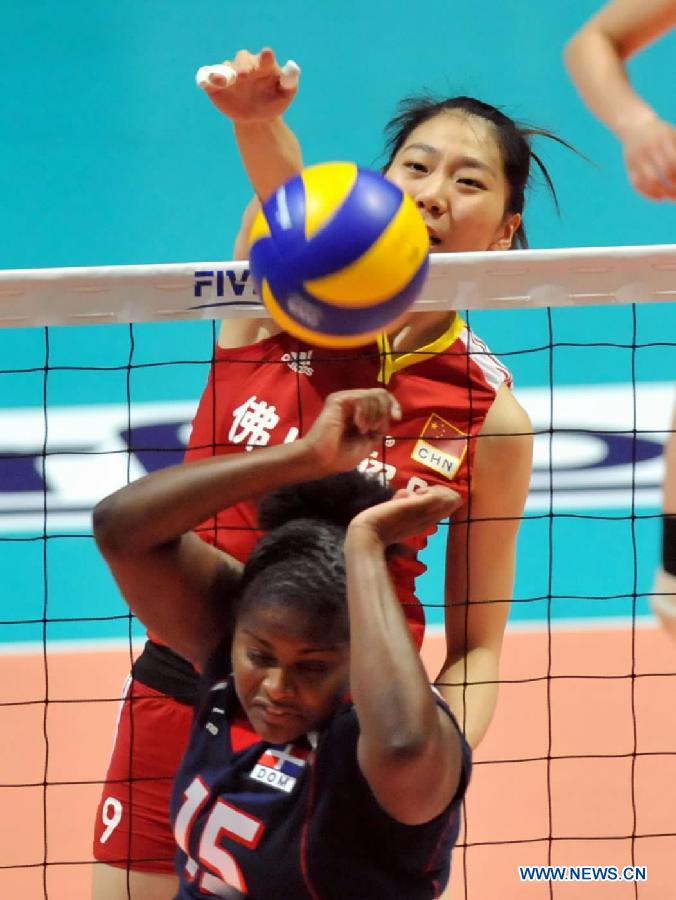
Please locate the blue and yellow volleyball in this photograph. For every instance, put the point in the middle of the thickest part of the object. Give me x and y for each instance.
(338, 254)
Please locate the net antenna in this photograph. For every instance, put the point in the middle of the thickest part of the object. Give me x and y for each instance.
(215, 290)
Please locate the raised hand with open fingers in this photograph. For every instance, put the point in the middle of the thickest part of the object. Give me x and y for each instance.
(252, 87)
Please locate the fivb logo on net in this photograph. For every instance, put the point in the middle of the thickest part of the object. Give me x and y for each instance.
(233, 286)
(590, 455)
(225, 287)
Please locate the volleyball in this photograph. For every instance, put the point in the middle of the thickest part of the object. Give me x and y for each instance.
(338, 254)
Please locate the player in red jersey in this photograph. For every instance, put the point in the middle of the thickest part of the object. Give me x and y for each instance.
(467, 166)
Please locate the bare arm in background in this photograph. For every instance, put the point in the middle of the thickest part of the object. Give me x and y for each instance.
(595, 57)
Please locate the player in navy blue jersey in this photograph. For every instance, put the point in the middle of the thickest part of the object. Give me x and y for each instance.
(321, 764)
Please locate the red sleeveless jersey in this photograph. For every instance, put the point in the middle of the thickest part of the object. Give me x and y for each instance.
(271, 392)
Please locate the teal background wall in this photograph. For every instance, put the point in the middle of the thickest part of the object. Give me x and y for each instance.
(110, 155)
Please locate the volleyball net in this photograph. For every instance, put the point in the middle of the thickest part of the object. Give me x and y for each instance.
(100, 375)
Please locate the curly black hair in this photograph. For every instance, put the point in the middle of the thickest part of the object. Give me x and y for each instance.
(299, 562)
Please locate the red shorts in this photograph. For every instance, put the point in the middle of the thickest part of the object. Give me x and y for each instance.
(133, 827)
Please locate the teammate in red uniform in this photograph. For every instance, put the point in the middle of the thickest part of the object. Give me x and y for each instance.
(321, 764)
(467, 166)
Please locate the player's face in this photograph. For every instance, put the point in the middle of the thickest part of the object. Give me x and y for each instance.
(287, 683)
(452, 167)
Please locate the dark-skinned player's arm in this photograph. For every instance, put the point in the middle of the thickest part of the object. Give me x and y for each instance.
(174, 582)
(409, 750)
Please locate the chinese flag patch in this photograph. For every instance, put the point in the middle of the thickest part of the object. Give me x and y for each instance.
(440, 447)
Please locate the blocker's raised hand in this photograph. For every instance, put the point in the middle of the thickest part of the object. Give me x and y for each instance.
(252, 87)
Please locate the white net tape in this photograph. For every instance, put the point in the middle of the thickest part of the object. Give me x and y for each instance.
(215, 290)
